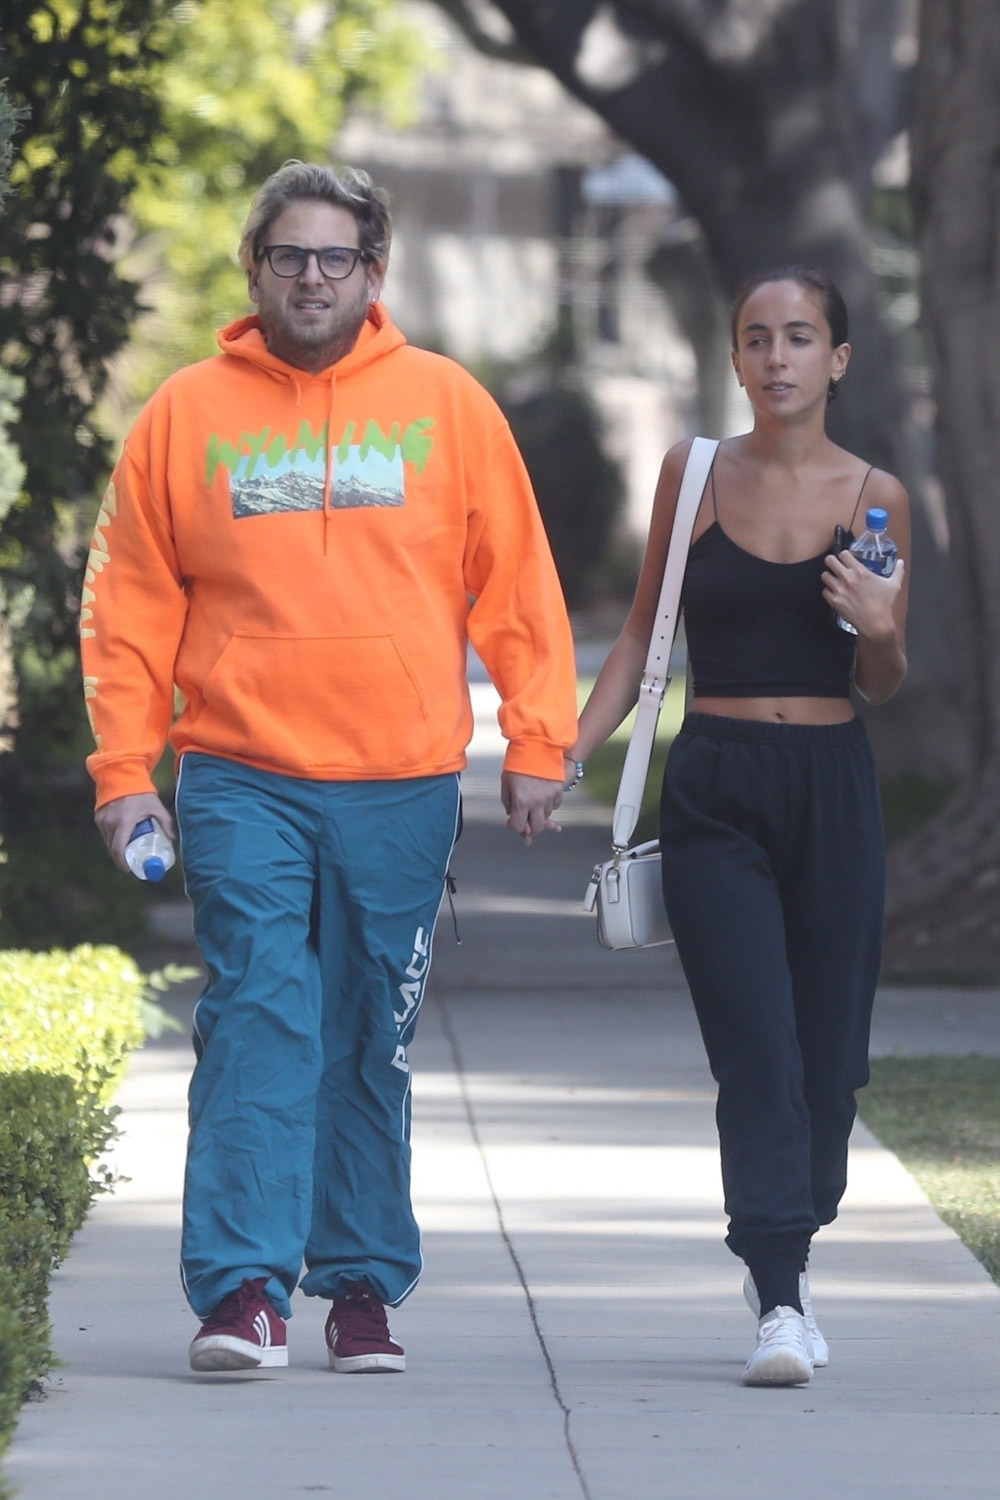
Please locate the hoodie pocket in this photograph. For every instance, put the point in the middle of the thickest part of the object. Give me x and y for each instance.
(343, 704)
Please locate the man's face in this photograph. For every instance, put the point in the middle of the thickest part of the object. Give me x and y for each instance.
(309, 321)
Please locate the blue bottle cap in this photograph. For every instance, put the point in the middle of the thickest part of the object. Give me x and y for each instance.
(154, 868)
(877, 519)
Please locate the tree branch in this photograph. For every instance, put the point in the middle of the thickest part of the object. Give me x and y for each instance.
(465, 17)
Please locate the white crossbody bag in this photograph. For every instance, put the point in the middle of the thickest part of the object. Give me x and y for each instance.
(626, 889)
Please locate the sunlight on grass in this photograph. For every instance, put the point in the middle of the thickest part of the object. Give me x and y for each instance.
(941, 1116)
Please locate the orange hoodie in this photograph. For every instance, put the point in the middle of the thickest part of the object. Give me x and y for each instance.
(305, 557)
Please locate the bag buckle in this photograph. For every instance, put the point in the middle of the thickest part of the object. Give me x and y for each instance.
(652, 690)
(590, 899)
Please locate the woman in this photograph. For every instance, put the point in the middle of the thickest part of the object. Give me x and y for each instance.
(771, 829)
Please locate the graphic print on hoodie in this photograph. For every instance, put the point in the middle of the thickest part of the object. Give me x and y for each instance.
(267, 474)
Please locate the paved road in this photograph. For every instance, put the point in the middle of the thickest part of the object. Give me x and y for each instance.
(579, 1333)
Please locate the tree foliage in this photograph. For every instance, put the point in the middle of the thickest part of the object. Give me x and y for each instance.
(244, 87)
(579, 488)
(11, 479)
(84, 69)
(151, 125)
(11, 467)
(10, 119)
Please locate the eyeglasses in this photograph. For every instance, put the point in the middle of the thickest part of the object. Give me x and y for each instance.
(335, 261)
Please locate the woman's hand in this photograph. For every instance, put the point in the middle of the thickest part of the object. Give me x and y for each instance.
(876, 607)
(864, 599)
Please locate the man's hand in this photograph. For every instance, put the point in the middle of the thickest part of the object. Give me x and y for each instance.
(116, 820)
(530, 802)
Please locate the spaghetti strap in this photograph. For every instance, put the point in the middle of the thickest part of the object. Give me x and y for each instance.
(860, 493)
(715, 508)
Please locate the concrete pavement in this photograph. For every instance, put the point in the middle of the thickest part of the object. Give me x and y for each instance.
(579, 1333)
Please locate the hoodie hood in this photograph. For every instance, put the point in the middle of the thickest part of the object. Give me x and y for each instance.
(244, 339)
(379, 336)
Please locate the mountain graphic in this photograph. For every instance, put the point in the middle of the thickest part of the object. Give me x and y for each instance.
(276, 492)
(360, 478)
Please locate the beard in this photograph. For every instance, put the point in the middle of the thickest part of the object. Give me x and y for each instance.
(313, 338)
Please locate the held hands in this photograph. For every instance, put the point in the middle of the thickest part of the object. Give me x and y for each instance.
(863, 598)
(116, 820)
(529, 802)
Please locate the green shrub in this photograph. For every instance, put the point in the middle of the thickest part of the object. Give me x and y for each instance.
(579, 488)
(50, 1130)
(78, 1013)
(67, 1023)
(24, 1350)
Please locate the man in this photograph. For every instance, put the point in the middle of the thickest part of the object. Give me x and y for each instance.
(300, 538)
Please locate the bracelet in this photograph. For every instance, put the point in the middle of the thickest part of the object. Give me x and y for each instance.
(578, 773)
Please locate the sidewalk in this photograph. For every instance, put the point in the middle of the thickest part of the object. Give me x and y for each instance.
(579, 1333)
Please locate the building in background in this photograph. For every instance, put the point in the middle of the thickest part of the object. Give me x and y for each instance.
(519, 217)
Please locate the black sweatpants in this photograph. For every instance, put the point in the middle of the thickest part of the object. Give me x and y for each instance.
(774, 881)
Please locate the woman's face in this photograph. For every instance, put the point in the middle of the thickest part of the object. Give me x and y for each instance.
(784, 356)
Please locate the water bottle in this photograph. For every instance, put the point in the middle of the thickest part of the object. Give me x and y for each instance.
(875, 548)
(149, 853)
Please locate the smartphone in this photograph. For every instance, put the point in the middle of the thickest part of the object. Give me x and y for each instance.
(842, 539)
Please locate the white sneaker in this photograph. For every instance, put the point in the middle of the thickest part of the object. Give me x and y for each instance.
(820, 1347)
(783, 1355)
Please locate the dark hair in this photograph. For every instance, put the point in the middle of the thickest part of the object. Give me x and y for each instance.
(823, 287)
(307, 182)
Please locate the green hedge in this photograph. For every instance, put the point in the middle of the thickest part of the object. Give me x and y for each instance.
(67, 1024)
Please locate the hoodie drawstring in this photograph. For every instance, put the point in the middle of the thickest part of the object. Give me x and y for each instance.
(328, 468)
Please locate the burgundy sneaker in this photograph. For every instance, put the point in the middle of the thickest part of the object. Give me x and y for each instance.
(357, 1335)
(243, 1333)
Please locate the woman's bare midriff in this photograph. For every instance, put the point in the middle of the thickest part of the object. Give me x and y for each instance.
(779, 710)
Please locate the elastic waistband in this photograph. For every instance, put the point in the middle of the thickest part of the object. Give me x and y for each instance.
(767, 732)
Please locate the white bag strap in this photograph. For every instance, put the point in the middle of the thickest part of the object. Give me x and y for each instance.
(657, 674)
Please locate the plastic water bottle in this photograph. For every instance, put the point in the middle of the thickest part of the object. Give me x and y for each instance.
(875, 548)
(149, 853)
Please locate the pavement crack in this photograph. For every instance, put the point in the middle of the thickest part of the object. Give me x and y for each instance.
(451, 1036)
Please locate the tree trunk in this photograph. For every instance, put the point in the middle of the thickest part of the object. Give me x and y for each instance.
(768, 120)
(753, 120)
(945, 894)
(683, 272)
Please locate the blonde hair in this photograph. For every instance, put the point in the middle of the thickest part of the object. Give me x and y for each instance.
(309, 182)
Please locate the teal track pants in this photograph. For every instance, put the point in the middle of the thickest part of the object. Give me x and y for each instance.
(314, 909)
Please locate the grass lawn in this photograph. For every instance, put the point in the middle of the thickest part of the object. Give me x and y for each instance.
(941, 1116)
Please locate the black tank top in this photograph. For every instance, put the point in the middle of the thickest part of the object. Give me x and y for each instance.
(759, 629)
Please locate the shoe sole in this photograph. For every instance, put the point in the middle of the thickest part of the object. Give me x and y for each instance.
(367, 1364)
(222, 1352)
(782, 1367)
(820, 1354)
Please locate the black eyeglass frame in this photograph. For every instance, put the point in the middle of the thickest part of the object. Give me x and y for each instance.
(267, 251)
